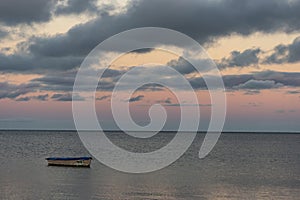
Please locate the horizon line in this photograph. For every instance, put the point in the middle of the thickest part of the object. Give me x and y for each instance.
(199, 131)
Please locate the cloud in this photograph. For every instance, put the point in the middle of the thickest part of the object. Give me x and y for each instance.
(202, 20)
(62, 84)
(64, 81)
(39, 97)
(287, 78)
(13, 12)
(252, 92)
(27, 63)
(166, 101)
(182, 66)
(102, 97)
(263, 80)
(252, 104)
(66, 97)
(248, 57)
(23, 99)
(151, 87)
(187, 104)
(76, 7)
(13, 91)
(285, 53)
(137, 98)
(229, 81)
(259, 85)
(141, 51)
(252, 82)
(3, 33)
(282, 111)
(293, 92)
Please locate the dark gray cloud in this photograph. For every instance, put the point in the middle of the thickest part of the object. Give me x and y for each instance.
(185, 67)
(187, 104)
(55, 96)
(103, 97)
(151, 87)
(23, 99)
(14, 12)
(282, 111)
(248, 57)
(271, 79)
(63, 85)
(182, 66)
(285, 53)
(199, 82)
(202, 20)
(144, 50)
(286, 78)
(13, 91)
(43, 97)
(252, 92)
(27, 63)
(170, 104)
(259, 85)
(113, 73)
(166, 101)
(137, 98)
(64, 81)
(76, 7)
(293, 92)
(252, 104)
(252, 82)
(66, 97)
(255, 81)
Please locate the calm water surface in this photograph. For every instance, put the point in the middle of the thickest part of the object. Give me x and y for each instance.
(241, 166)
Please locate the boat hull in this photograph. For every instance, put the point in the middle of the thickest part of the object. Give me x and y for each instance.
(73, 162)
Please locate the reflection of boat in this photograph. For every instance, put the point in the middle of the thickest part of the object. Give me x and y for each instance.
(70, 161)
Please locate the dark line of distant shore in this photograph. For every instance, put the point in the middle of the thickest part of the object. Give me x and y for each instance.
(166, 131)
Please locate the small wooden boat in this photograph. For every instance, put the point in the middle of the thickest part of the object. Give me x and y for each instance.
(70, 161)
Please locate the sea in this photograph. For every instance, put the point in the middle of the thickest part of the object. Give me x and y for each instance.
(241, 166)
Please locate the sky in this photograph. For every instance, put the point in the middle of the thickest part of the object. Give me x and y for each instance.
(255, 45)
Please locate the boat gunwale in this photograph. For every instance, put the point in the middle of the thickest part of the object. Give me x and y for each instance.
(68, 158)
